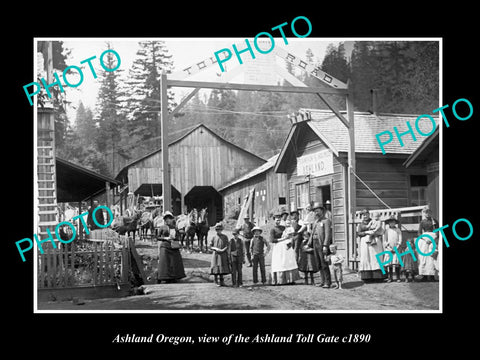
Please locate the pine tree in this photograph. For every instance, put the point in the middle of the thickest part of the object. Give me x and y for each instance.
(108, 115)
(144, 90)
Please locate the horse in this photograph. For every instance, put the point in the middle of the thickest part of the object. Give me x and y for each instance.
(181, 223)
(202, 228)
(128, 225)
(191, 228)
(145, 223)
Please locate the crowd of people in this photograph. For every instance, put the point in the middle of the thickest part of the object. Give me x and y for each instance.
(375, 239)
(303, 246)
(296, 246)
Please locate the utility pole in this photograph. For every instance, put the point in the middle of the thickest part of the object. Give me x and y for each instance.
(166, 186)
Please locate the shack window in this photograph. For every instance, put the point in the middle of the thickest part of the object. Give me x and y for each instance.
(418, 190)
(302, 195)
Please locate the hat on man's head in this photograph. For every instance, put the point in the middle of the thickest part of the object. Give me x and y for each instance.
(317, 205)
(219, 226)
(256, 228)
(168, 214)
(277, 213)
(327, 202)
(246, 217)
(365, 211)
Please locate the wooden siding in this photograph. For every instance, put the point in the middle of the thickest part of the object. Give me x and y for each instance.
(269, 187)
(388, 178)
(309, 144)
(199, 159)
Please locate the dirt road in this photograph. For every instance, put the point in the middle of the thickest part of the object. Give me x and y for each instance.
(197, 292)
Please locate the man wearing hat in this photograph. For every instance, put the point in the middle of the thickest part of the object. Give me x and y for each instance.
(321, 238)
(237, 254)
(258, 247)
(246, 232)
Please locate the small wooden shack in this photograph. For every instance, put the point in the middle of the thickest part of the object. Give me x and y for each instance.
(314, 159)
(269, 191)
(201, 162)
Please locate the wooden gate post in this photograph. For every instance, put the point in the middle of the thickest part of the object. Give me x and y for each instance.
(352, 193)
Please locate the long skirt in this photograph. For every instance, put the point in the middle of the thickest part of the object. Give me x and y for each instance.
(284, 265)
(170, 264)
(220, 264)
(369, 267)
(426, 264)
(308, 262)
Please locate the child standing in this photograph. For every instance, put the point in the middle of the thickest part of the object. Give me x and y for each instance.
(336, 261)
(409, 265)
(220, 264)
(392, 238)
(237, 258)
(258, 247)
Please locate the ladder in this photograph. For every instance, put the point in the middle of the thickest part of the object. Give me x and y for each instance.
(46, 175)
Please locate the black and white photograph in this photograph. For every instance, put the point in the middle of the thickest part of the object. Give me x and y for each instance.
(214, 181)
(298, 168)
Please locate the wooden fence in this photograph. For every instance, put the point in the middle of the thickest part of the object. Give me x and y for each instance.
(409, 219)
(90, 263)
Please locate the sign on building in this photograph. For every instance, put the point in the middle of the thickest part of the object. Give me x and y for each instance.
(316, 164)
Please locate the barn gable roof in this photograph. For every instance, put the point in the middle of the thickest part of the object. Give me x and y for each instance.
(259, 170)
(326, 125)
(179, 139)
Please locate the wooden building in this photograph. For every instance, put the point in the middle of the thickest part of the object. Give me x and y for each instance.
(427, 156)
(201, 162)
(269, 191)
(314, 159)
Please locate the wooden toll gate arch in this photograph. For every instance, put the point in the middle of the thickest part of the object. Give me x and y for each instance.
(334, 86)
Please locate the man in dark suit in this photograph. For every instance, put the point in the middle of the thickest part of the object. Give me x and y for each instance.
(321, 238)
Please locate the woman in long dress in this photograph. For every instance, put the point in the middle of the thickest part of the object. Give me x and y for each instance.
(170, 263)
(220, 264)
(369, 267)
(284, 265)
(426, 264)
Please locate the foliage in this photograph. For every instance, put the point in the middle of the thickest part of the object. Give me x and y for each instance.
(125, 122)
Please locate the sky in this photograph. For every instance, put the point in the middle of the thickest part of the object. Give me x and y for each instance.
(184, 51)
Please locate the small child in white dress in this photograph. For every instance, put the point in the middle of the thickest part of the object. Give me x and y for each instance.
(375, 229)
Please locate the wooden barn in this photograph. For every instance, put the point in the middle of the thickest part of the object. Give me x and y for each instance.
(314, 159)
(269, 191)
(200, 163)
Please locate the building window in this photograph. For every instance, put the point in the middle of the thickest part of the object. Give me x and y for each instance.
(418, 190)
(301, 195)
(282, 201)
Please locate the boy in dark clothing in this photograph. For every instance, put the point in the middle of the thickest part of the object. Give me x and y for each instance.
(257, 249)
(238, 258)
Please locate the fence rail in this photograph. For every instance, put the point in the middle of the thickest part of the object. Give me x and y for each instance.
(409, 219)
(92, 264)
